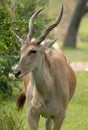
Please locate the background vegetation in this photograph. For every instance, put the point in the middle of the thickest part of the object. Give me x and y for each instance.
(77, 112)
(14, 16)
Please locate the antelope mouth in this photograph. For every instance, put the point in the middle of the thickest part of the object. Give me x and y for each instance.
(19, 74)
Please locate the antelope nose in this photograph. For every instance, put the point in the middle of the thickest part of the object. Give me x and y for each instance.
(17, 73)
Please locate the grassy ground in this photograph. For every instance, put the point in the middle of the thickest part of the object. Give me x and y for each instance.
(77, 111)
(78, 54)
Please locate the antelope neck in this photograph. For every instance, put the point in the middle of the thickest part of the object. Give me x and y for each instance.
(38, 77)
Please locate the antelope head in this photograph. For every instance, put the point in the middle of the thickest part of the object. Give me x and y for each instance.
(31, 52)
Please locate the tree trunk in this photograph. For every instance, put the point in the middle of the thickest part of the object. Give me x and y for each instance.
(71, 35)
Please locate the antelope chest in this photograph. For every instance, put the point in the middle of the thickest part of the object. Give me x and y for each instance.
(47, 107)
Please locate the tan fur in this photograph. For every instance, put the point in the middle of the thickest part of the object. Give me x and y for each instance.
(50, 87)
(63, 67)
(26, 80)
(52, 81)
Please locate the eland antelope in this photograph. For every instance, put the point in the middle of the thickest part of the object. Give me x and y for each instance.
(52, 81)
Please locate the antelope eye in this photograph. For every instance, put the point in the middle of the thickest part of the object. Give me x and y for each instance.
(33, 51)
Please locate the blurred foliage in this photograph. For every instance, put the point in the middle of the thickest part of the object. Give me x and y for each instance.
(14, 16)
(10, 120)
(23, 11)
(83, 30)
(7, 50)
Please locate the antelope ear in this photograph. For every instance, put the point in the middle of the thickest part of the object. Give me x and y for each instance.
(48, 44)
(19, 40)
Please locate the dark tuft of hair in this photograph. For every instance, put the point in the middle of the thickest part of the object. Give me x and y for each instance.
(21, 100)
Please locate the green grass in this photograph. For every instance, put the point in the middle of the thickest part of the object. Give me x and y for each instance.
(78, 54)
(77, 111)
